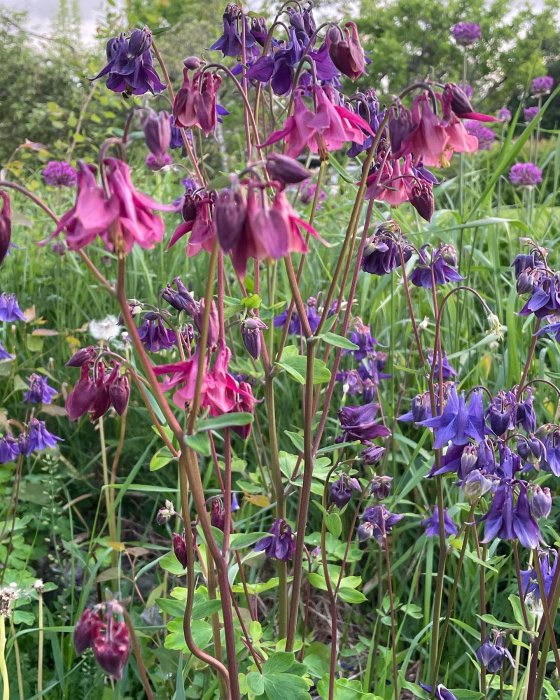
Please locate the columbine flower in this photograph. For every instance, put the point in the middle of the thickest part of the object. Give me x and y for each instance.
(475, 485)
(431, 524)
(9, 448)
(509, 522)
(231, 41)
(466, 33)
(107, 637)
(447, 371)
(345, 50)
(545, 298)
(130, 67)
(342, 489)
(541, 502)
(501, 412)
(195, 102)
(456, 99)
(438, 268)
(9, 308)
(281, 542)
(550, 435)
(504, 114)
(381, 486)
(381, 253)
(377, 522)
(196, 211)
(38, 437)
(529, 113)
(251, 333)
(492, 653)
(154, 334)
(458, 422)
(39, 391)
(217, 513)
(106, 329)
(542, 85)
(529, 579)
(313, 314)
(419, 411)
(157, 133)
(286, 170)
(59, 174)
(4, 354)
(525, 175)
(484, 135)
(358, 423)
(5, 225)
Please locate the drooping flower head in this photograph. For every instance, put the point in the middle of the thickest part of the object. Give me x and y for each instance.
(231, 41)
(280, 544)
(196, 209)
(382, 252)
(525, 175)
(492, 653)
(466, 33)
(195, 102)
(359, 423)
(377, 522)
(107, 636)
(157, 133)
(345, 50)
(510, 521)
(38, 438)
(437, 267)
(9, 308)
(130, 67)
(59, 174)
(548, 560)
(342, 489)
(39, 390)
(431, 524)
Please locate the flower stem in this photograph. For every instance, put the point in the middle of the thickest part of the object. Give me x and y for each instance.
(393, 623)
(41, 645)
(3, 668)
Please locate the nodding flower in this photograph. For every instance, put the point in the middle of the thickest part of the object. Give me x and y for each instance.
(195, 102)
(280, 544)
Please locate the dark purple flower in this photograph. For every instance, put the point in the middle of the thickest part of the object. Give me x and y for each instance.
(157, 133)
(501, 412)
(9, 448)
(466, 33)
(9, 308)
(39, 391)
(511, 522)
(130, 67)
(529, 113)
(377, 522)
(529, 578)
(447, 371)
(381, 486)
(439, 267)
(286, 170)
(281, 542)
(431, 524)
(176, 136)
(5, 225)
(541, 502)
(313, 313)
(87, 629)
(59, 174)
(525, 175)
(358, 423)
(155, 335)
(419, 411)
(542, 85)
(550, 436)
(531, 449)
(307, 194)
(231, 41)
(4, 354)
(38, 437)
(119, 393)
(182, 299)
(525, 415)
(372, 453)
(217, 513)
(180, 549)
(381, 253)
(251, 333)
(485, 136)
(492, 653)
(363, 338)
(112, 648)
(458, 422)
(342, 489)
(82, 356)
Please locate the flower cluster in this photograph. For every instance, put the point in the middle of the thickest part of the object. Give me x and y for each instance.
(525, 175)
(466, 33)
(59, 174)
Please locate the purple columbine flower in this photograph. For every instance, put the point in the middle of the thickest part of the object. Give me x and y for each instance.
(525, 415)
(541, 502)
(529, 113)
(157, 133)
(372, 453)
(231, 41)
(545, 298)
(458, 423)
(525, 175)
(313, 313)
(442, 693)
(550, 436)
(38, 437)
(39, 391)
(130, 67)
(504, 114)
(381, 253)
(485, 136)
(542, 85)
(9, 308)
(377, 522)
(251, 334)
(342, 489)
(9, 448)
(511, 522)
(155, 335)
(381, 486)
(307, 194)
(177, 138)
(4, 354)
(363, 338)
(492, 653)
(281, 542)
(466, 33)
(59, 174)
(501, 412)
(431, 524)
(358, 423)
(529, 579)
(419, 411)
(531, 449)
(439, 266)
(447, 371)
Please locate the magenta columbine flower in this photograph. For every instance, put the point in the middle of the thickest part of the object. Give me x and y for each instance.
(107, 636)
(39, 391)
(504, 115)
(9, 308)
(529, 113)
(59, 174)
(525, 175)
(280, 543)
(484, 135)
(466, 33)
(542, 85)
(5, 225)
(431, 524)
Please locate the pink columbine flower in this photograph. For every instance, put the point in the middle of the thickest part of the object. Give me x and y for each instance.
(195, 102)
(197, 219)
(346, 51)
(5, 225)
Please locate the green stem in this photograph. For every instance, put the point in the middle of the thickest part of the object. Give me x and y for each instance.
(3, 668)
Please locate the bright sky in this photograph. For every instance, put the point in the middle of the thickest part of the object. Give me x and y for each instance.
(42, 12)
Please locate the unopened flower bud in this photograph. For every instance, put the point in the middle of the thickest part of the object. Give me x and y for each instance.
(422, 199)
(495, 326)
(192, 63)
(541, 502)
(86, 630)
(251, 332)
(165, 513)
(217, 513)
(285, 169)
(82, 356)
(119, 393)
(180, 549)
(469, 458)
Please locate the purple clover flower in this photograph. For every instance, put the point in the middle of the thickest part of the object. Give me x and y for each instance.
(431, 524)
(59, 174)
(39, 391)
(38, 437)
(484, 135)
(9, 308)
(542, 85)
(466, 33)
(458, 422)
(280, 543)
(525, 175)
(529, 113)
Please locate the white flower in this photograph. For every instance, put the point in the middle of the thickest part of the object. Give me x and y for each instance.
(106, 329)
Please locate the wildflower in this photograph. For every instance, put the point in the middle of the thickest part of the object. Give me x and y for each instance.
(182, 299)
(286, 170)
(501, 412)
(4, 354)
(345, 50)
(5, 225)
(377, 522)
(531, 449)
(438, 269)
(38, 437)
(83, 355)
(509, 522)
(342, 489)
(154, 334)
(358, 423)
(195, 102)
(525, 175)
(111, 646)
(166, 513)
(59, 174)
(106, 329)
(363, 338)
(180, 549)
(431, 524)
(86, 630)
(550, 435)
(251, 333)
(119, 393)
(466, 33)
(231, 43)
(492, 653)
(9, 448)
(475, 485)
(483, 134)
(217, 513)
(529, 578)
(39, 391)
(525, 415)
(382, 252)
(372, 453)
(529, 113)
(541, 502)
(542, 85)
(280, 544)
(454, 98)
(447, 371)
(381, 487)
(504, 115)
(130, 67)
(9, 308)
(196, 212)
(458, 422)
(419, 411)
(157, 133)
